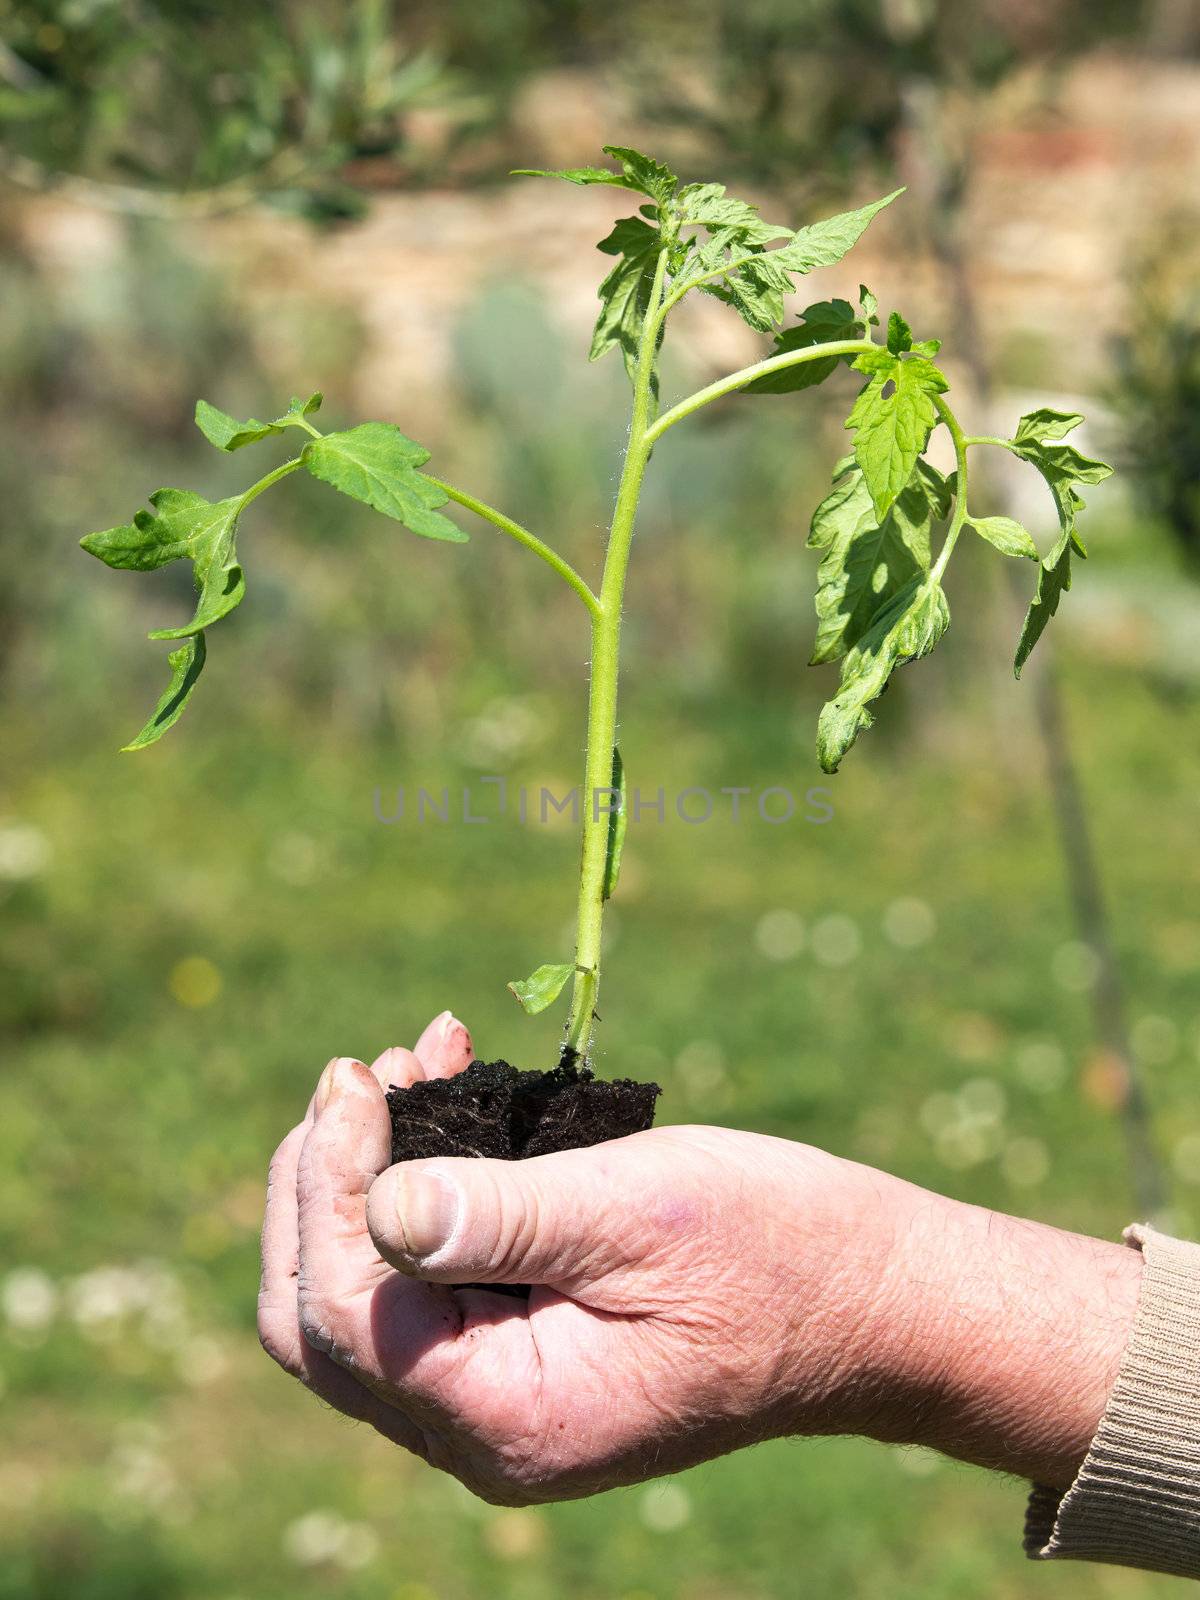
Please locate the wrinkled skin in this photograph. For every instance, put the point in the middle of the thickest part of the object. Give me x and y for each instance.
(696, 1289)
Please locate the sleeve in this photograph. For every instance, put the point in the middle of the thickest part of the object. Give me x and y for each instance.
(1136, 1499)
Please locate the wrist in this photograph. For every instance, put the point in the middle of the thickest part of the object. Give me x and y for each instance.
(1014, 1335)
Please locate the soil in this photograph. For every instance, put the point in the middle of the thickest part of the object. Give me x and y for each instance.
(493, 1109)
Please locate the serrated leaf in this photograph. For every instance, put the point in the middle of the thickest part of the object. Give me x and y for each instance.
(892, 419)
(1007, 536)
(707, 205)
(899, 334)
(1054, 579)
(618, 819)
(822, 323)
(1046, 423)
(1063, 467)
(207, 530)
(905, 629)
(625, 292)
(186, 664)
(543, 987)
(869, 304)
(867, 560)
(377, 464)
(183, 527)
(643, 173)
(823, 244)
(580, 175)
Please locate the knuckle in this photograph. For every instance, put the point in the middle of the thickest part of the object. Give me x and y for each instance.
(521, 1222)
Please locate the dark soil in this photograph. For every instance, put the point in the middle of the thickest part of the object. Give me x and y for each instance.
(492, 1109)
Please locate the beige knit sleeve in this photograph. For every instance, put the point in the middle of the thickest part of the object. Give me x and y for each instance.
(1136, 1500)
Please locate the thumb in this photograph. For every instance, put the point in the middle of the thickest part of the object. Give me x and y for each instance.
(555, 1219)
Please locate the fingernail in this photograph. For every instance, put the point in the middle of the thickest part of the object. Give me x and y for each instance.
(427, 1204)
(327, 1084)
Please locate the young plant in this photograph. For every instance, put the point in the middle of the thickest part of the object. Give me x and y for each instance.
(880, 600)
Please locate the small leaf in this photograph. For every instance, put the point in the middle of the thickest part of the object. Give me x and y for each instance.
(618, 820)
(625, 292)
(1009, 537)
(823, 244)
(909, 626)
(1054, 579)
(208, 532)
(580, 175)
(899, 334)
(186, 664)
(892, 419)
(543, 987)
(377, 464)
(823, 323)
(1046, 423)
(226, 432)
(869, 304)
(643, 173)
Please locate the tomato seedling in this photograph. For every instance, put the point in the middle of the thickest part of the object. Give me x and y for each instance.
(879, 601)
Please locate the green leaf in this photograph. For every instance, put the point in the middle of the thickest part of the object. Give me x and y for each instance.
(207, 531)
(638, 172)
(706, 205)
(1063, 467)
(868, 560)
(823, 244)
(625, 292)
(892, 419)
(869, 304)
(1046, 423)
(227, 433)
(543, 987)
(377, 464)
(908, 627)
(822, 323)
(1054, 579)
(1009, 537)
(580, 175)
(186, 664)
(643, 173)
(617, 822)
(184, 527)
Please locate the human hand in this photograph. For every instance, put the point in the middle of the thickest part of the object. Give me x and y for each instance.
(698, 1289)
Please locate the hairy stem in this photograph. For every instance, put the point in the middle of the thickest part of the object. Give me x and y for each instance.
(745, 375)
(602, 687)
(960, 486)
(523, 536)
(255, 489)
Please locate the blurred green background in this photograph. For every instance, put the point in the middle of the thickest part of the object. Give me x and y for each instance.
(204, 200)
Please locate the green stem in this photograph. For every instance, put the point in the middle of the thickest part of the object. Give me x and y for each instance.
(745, 375)
(988, 438)
(255, 489)
(602, 688)
(523, 537)
(961, 443)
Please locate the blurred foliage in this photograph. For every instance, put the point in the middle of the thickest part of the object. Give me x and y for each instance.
(1158, 363)
(163, 108)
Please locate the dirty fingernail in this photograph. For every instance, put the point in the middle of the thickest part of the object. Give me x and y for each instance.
(427, 1205)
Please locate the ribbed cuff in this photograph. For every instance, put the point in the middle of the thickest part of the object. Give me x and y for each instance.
(1136, 1499)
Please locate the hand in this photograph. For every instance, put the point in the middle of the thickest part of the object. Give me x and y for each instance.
(698, 1289)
